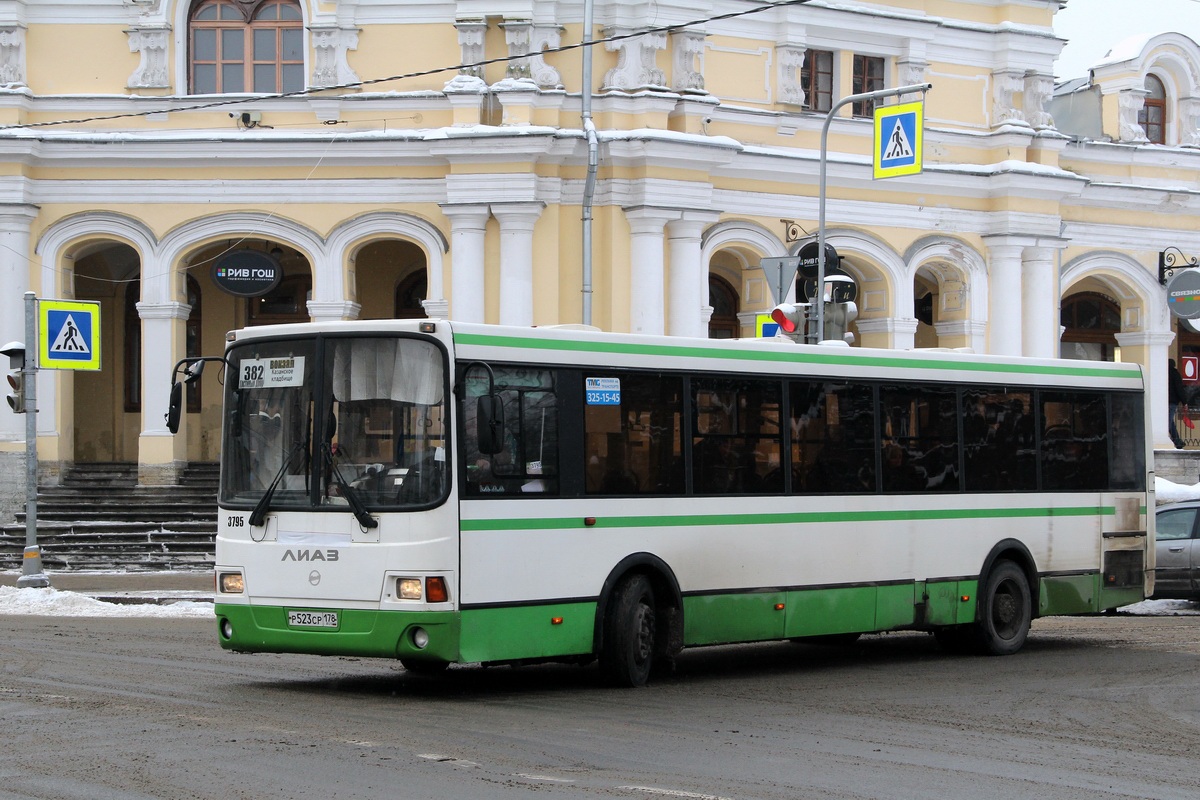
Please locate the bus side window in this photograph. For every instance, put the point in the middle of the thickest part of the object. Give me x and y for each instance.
(528, 462)
(737, 441)
(833, 437)
(632, 434)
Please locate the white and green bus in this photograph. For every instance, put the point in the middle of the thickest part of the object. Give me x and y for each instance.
(441, 493)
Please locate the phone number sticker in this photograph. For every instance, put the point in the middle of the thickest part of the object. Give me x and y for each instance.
(602, 391)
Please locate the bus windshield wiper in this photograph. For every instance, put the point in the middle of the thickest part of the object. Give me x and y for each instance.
(259, 514)
(350, 493)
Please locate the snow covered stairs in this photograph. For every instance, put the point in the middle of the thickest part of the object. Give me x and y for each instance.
(100, 519)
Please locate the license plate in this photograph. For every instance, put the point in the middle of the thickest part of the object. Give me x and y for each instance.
(313, 619)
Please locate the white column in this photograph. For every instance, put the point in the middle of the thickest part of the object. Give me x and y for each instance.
(163, 344)
(688, 275)
(646, 267)
(332, 310)
(14, 278)
(468, 224)
(1004, 306)
(158, 358)
(516, 260)
(1039, 303)
(904, 327)
(1156, 353)
(900, 332)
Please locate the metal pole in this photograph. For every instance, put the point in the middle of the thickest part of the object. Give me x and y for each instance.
(593, 147)
(815, 336)
(32, 574)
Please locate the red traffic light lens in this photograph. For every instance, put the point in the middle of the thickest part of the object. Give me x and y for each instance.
(12, 381)
(785, 320)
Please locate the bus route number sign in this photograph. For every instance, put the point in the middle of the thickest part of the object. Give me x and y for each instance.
(267, 373)
(603, 391)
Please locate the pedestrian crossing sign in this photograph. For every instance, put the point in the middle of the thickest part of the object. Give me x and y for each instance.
(68, 335)
(898, 134)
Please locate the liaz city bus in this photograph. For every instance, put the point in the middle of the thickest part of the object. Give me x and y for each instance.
(444, 493)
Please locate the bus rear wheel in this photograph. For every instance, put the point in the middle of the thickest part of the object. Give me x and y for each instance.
(1007, 610)
(627, 654)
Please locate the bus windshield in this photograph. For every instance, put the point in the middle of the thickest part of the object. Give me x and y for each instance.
(335, 422)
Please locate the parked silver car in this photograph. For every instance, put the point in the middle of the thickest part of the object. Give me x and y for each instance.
(1177, 551)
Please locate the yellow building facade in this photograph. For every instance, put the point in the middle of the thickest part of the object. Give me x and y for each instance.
(430, 159)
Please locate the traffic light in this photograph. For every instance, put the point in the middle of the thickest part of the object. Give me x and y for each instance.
(838, 317)
(790, 318)
(16, 362)
(16, 399)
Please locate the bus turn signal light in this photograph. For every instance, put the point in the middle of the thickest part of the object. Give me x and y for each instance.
(435, 590)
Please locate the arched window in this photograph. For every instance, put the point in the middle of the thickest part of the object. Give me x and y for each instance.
(1092, 322)
(1153, 116)
(409, 294)
(254, 46)
(724, 300)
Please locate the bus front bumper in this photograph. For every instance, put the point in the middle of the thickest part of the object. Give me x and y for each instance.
(368, 633)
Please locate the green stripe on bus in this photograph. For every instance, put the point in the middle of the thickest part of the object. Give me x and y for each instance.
(786, 518)
(832, 358)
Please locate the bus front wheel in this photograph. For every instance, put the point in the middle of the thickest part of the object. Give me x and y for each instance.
(1007, 610)
(627, 653)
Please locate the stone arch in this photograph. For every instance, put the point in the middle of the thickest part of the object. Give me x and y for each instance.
(1128, 282)
(56, 242)
(59, 245)
(236, 225)
(1146, 331)
(959, 273)
(731, 250)
(347, 238)
(885, 294)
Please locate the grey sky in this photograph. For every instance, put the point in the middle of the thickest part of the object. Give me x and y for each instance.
(1094, 26)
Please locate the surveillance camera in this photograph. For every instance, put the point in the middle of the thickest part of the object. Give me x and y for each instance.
(708, 120)
(232, 115)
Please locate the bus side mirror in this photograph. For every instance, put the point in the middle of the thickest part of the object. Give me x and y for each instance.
(489, 420)
(175, 407)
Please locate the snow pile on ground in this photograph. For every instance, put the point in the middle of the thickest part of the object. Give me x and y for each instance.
(1167, 492)
(50, 602)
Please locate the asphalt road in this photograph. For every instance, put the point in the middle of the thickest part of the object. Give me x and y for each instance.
(1096, 708)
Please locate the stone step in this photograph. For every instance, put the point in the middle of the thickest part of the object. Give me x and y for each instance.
(162, 516)
(99, 518)
(58, 528)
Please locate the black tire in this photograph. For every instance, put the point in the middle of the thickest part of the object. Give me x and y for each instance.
(423, 667)
(1005, 612)
(956, 638)
(630, 631)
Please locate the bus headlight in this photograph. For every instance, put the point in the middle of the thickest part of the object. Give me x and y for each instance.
(408, 588)
(231, 583)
